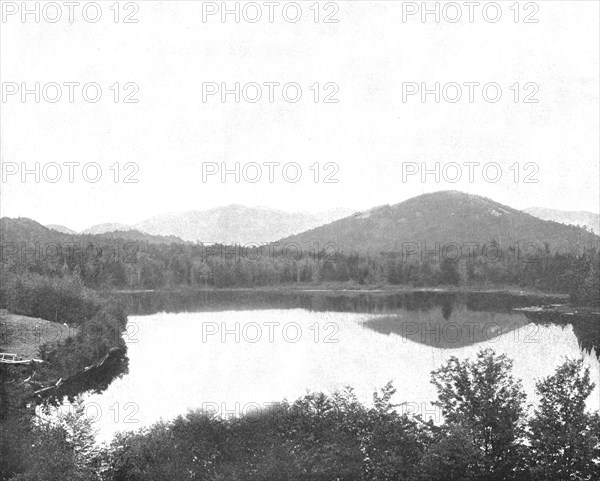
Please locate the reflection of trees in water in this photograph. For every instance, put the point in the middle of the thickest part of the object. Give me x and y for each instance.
(446, 309)
(588, 334)
(199, 301)
(498, 301)
(95, 378)
(586, 327)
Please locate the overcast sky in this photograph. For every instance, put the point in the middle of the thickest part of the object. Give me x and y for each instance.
(370, 134)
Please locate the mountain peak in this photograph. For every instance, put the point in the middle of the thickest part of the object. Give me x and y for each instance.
(443, 217)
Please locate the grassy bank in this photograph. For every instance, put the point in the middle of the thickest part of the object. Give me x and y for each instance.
(24, 335)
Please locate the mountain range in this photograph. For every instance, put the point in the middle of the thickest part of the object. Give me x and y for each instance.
(229, 224)
(441, 217)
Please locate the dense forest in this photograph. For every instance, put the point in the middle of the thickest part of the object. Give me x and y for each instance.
(119, 264)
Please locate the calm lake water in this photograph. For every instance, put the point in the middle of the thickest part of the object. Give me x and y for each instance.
(230, 352)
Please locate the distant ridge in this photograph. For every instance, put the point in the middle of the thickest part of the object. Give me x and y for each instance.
(24, 230)
(104, 228)
(230, 224)
(61, 228)
(237, 224)
(582, 218)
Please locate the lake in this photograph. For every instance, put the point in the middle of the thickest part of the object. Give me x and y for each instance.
(231, 352)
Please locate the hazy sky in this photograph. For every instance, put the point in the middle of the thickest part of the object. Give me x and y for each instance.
(365, 61)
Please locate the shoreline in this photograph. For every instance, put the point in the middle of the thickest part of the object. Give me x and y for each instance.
(341, 289)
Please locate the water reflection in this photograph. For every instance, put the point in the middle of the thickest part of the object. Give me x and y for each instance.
(586, 327)
(447, 309)
(437, 328)
(175, 366)
(95, 378)
(144, 303)
(437, 319)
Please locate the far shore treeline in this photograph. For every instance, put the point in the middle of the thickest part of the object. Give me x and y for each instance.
(131, 261)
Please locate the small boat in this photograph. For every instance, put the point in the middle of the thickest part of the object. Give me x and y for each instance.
(8, 358)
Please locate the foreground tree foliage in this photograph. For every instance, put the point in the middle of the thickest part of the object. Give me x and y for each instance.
(482, 402)
(565, 439)
(61, 450)
(452, 454)
(486, 435)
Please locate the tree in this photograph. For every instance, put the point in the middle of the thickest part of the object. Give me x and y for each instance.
(393, 443)
(449, 272)
(62, 449)
(452, 455)
(587, 290)
(148, 455)
(482, 398)
(564, 438)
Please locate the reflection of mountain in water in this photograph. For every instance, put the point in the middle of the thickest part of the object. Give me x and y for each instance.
(441, 319)
(438, 328)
